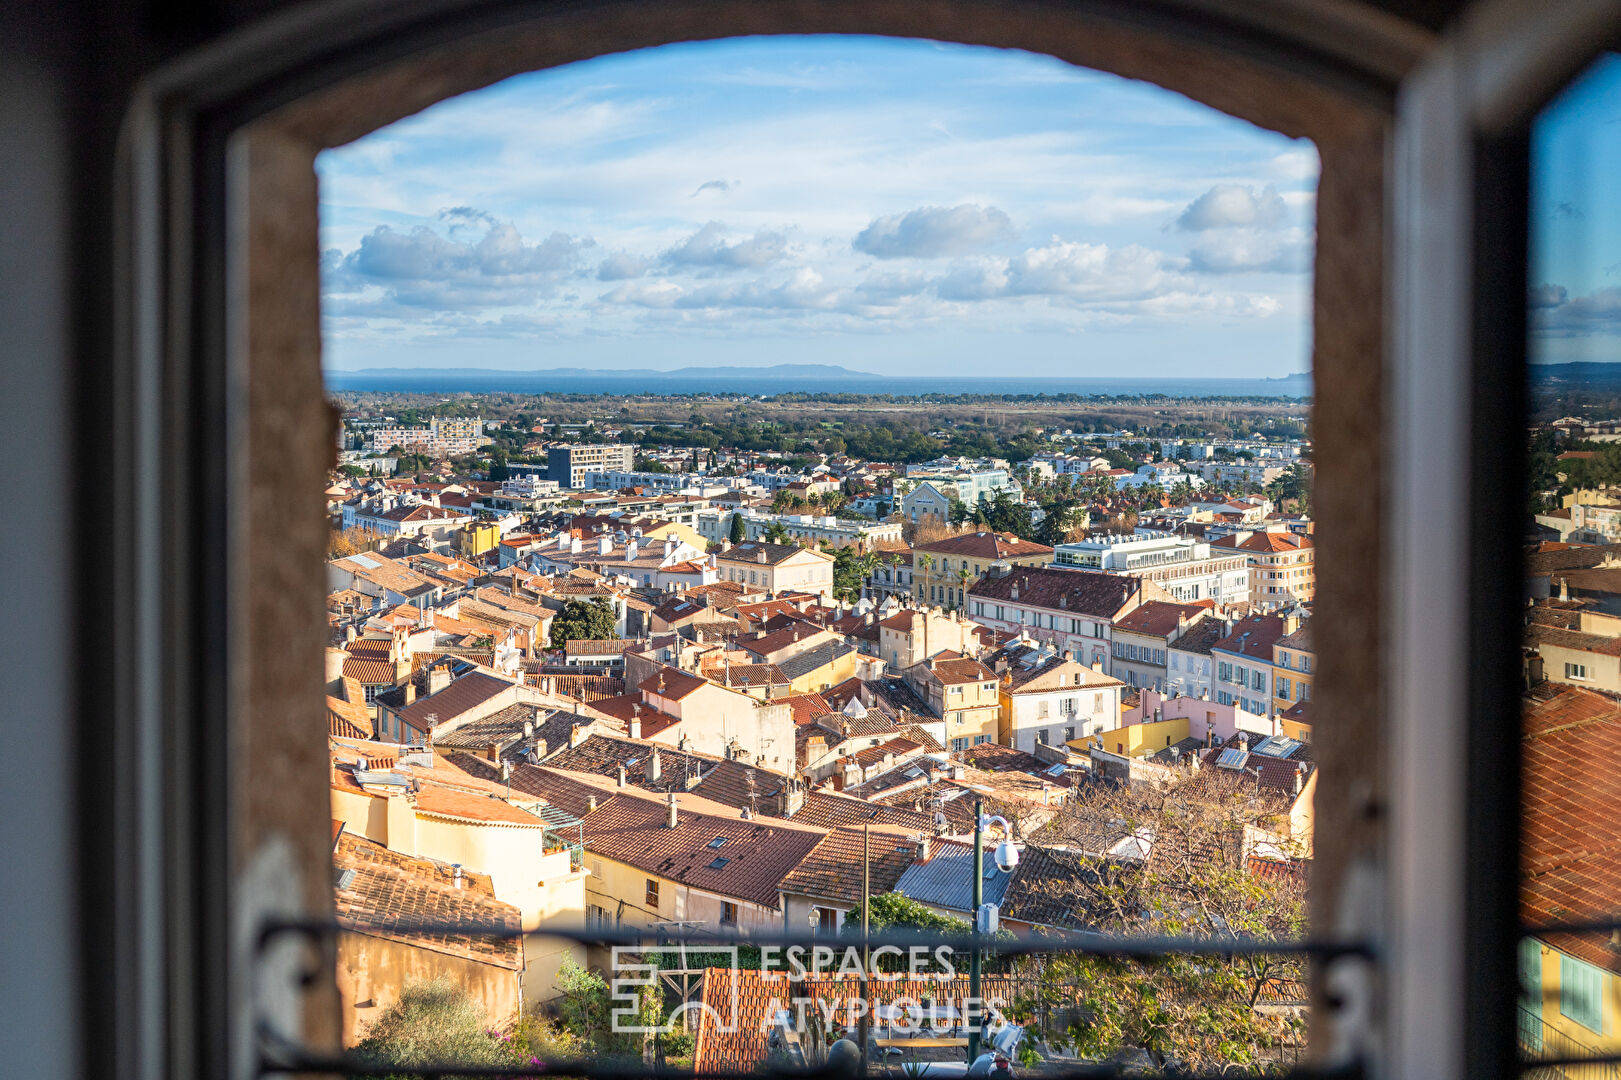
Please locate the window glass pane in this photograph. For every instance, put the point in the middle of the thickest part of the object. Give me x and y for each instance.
(1572, 628)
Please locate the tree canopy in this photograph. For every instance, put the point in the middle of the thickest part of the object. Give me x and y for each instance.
(584, 620)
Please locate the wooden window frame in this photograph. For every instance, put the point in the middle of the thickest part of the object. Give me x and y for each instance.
(222, 437)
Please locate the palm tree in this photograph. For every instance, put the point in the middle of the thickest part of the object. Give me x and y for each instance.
(963, 576)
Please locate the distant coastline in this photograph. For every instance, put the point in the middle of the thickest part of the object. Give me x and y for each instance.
(794, 379)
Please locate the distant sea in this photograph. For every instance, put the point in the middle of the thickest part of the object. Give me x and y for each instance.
(786, 379)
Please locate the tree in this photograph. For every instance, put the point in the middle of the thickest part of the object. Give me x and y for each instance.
(351, 541)
(1187, 1012)
(735, 533)
(433, 1022)
(584, 620)
(851, 568)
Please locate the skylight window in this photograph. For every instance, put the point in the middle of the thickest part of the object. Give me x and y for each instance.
(719, 864)
(718, 842)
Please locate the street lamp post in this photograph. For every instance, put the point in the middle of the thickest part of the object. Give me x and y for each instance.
(1007, 857)
(973, 955)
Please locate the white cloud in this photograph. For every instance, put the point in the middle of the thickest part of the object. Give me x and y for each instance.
(621, 267)
(1555, 313)
(1234, 206)
(1232, 251)
(424, 269)
(934, 231)
(708, 248)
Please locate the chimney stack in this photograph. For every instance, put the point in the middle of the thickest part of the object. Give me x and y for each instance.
(410, 692)
(457, 869)
(674, 820)
(653, 766)
(438, 678)
(621, 776)
(590, 803)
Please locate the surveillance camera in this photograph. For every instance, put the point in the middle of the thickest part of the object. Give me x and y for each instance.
(1007, 856)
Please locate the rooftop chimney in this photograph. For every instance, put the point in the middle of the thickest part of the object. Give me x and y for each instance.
(590, 803)
(410, 692)
(438, 678)
(457, 869)
(674, 820)
(621, 776)
(653, 766)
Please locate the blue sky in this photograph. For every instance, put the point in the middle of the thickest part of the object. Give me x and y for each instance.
(894, 206)
(1576, 221)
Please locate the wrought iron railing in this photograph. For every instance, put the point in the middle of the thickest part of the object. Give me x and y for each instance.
(1539, 1040)
(280, 1054)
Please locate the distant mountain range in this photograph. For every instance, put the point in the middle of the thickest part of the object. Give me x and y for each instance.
(790, 378)
(1585, 373)
(776, 371)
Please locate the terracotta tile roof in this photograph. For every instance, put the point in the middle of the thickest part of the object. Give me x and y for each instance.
(1201, 637)
(392, 575)
(962, 670)
(1157, 618)
(604, 755)
(1299, 712)
(1538, 634)
(347, 716)
(806, 707)
(826, 810)
(438, 800)
(1300, 640)
(750, 551)
(782, 639)
(672, 683)
(1050, 887)
(745, 675)
(389, 892)
(1571, 858)
(745, 1045)
(586, 688)
(594, 647)
(833, 870)
(722, 595)
(1265, 542)
(1275, 774)
(733, 783)
(1253, 637)
(1082, 592)
(369, 672)
(1570, 558)
(1028, 671)
(506, 728)
(750, 865)
(811, 659)
(461, 696)
(989, 546)
(627, 708)
(679, 608)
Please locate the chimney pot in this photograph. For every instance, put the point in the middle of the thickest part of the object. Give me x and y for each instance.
(674, 819)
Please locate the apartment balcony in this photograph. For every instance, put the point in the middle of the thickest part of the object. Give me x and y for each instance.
(1540, 1040)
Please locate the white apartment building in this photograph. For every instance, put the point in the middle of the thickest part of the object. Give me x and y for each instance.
(1184, 566)
(1259, 473)
(716, 525)
(445, 436)
(1048, 698)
